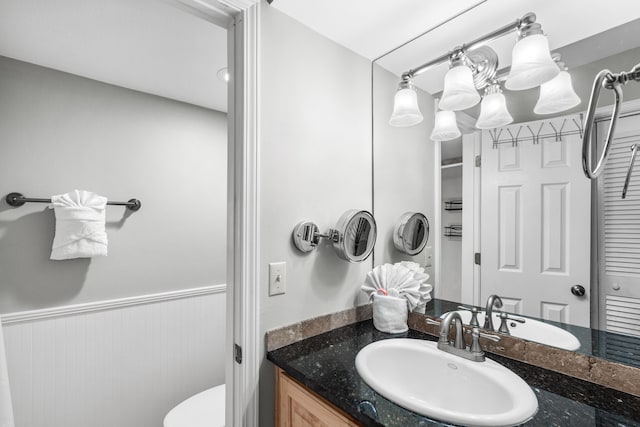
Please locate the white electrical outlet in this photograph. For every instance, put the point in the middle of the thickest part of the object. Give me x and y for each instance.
(277, 278)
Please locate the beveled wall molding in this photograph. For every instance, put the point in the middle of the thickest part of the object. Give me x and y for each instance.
(70, 310)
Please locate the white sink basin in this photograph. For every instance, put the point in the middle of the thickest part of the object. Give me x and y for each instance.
(416, 375)
(532, 330)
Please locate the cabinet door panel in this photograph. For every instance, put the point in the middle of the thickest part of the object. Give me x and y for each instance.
(297, 406)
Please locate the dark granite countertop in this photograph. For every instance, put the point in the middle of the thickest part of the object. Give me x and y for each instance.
(326, 365)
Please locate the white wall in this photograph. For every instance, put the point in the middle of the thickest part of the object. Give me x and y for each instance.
(403, 168)
(61, 132)
(124, 366)
(315, 163)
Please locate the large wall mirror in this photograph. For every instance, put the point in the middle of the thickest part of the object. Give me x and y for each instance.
(510, 209)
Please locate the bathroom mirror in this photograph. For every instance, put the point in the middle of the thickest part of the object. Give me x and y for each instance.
(411, 233)
(460, 170)
(353, 237)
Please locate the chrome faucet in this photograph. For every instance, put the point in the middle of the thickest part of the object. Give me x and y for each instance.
(458, 347)
(493, 300)
(445, 326)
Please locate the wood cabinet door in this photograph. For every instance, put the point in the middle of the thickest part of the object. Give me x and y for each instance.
(297, 406)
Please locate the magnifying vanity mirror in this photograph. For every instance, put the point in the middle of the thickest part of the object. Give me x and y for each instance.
(535, 228)
(353, 237)
(411, 233)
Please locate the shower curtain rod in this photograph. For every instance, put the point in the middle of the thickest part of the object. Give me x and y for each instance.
(17, 199)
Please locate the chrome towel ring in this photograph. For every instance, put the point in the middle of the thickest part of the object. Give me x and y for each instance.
(608, 80)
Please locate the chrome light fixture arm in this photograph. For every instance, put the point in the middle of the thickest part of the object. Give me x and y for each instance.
(520, 25)
(608, 80)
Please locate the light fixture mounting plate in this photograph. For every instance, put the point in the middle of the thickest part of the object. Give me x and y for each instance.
(484, 63)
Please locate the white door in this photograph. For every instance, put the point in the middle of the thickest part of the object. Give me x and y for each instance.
(619, 232)
(535, 216)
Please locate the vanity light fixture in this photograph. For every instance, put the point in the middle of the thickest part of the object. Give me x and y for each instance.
(406, 111)
(459, 91)
(445, 127)
(493, 110)
(557, 94)
(531, 63)
(474, 66)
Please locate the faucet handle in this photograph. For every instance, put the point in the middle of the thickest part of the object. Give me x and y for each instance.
(474, 314)
(431, 321)
(475, 341)
(491, 337)
(503, 322)
(475, 348)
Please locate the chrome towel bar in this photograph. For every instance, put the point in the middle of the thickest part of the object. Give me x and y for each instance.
(17, 199)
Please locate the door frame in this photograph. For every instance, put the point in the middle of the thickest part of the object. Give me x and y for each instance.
(243, 231)
(240, 18)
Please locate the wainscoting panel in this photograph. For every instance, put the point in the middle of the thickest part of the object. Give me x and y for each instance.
(118, 363)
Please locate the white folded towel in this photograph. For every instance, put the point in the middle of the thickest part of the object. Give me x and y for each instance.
(6, 410)
(80, 225)
(390, 314)
(404, 279)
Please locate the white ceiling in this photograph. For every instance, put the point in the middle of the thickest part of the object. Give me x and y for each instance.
(152, 46)
(156, 46)
(373, 27)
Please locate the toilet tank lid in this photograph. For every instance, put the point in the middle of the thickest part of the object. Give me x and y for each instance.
(205, 409)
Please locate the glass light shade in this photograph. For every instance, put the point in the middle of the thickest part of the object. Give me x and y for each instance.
(556, 95)
(459, 91)
(405, 108)
(445, 126)
(493, 111)
(531, 63)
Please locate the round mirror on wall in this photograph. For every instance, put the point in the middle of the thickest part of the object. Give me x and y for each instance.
(355, 235)
(411, 233)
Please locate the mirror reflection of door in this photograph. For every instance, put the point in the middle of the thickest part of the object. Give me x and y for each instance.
(619, 231)
(535, 234)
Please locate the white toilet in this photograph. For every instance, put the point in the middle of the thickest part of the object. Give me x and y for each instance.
(205, 409)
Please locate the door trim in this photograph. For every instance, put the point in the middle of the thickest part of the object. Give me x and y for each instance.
(243, 225)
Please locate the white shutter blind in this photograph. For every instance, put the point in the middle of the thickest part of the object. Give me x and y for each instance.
(623, 315)
(622, 216)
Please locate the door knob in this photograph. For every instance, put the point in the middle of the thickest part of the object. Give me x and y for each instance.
(578, 290)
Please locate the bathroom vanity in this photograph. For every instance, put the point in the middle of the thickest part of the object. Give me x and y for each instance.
(298, 405)
(317, 384)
